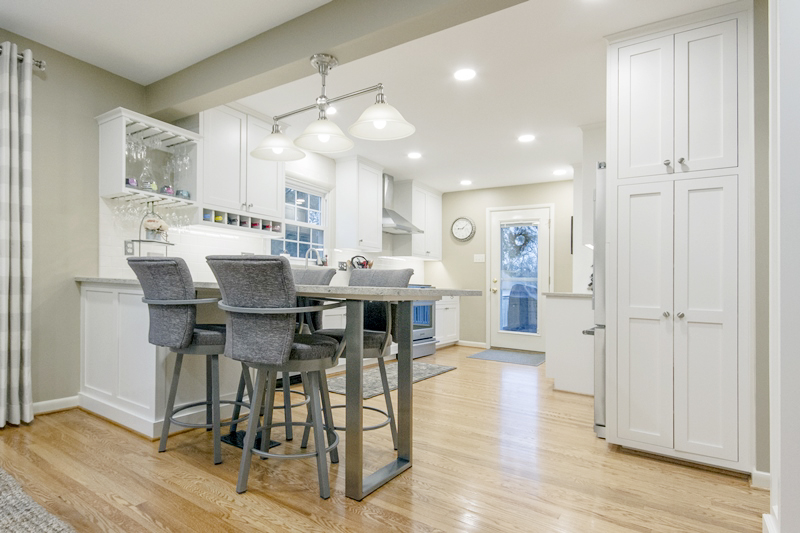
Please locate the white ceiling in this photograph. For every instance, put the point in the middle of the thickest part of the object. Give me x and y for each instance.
(146, 40)
(540, 69)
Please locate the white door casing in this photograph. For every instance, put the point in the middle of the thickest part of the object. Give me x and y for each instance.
(706, 281)
(497, 336)
(645, 308)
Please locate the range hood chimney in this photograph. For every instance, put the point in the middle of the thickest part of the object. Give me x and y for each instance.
(393, 222)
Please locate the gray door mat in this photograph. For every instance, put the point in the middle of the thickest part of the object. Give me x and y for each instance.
(519, 358)
(372, 378)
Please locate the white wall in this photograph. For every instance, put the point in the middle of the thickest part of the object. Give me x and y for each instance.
(594, 150)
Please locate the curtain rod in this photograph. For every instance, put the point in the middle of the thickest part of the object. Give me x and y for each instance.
(38, 63)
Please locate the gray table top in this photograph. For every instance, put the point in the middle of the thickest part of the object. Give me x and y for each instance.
(393, 294)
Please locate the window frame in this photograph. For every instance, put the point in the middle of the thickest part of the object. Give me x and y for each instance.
(306, 187)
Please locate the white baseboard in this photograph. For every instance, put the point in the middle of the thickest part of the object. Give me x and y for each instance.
(59, 404)
(769, 524)
(760, 480)
(472, 344)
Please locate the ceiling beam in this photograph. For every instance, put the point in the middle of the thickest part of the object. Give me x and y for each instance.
(348, 29)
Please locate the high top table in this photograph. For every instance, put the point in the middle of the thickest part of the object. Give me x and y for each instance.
(123, 376)
(356, 485)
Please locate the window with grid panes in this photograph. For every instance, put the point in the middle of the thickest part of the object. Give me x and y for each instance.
(304, 223)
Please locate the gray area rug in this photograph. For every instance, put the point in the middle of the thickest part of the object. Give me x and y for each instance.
(519, 358)
(372, 378)
(18, 511)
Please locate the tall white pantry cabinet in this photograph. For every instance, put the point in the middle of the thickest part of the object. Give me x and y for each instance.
(680, 240)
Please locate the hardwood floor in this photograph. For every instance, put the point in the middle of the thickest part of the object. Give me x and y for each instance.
(495, 450)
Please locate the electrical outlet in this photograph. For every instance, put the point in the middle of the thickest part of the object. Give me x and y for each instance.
(128, 247)
(343, 265)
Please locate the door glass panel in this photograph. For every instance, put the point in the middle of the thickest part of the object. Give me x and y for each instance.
(519, 272)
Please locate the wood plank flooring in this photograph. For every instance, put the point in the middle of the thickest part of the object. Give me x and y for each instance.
(495, 450)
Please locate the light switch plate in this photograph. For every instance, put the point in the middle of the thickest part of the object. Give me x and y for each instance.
(343, 265)
(479, 258)
(128, 247)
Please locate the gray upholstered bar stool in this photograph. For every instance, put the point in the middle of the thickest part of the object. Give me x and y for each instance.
(170, 296)
(377, 333)
(259, 299)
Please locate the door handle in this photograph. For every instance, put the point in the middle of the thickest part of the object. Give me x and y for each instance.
(494, 280)
(494, 290)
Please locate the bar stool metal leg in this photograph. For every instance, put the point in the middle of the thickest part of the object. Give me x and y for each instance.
(215, 415)
(307, 429)
(272, 378)
(244, 381)
(209, 391)
(388, 396)
(328, 413)
(252, 429)
(173, 390)
(287, 403)
(319, 437)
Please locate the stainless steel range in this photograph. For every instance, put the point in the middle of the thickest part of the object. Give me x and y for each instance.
(424, 325)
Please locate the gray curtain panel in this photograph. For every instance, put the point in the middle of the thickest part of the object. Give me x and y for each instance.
(16, 399)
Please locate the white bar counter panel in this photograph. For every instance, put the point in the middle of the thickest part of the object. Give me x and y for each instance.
(570, 354)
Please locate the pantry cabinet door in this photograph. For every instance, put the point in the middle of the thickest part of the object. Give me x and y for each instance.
(265, 179)
(646, 108)
(370, 207)
(706, 280)
(433, 226)
(706, 113)
(644, 312)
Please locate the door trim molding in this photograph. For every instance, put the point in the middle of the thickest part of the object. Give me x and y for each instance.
(488, 249)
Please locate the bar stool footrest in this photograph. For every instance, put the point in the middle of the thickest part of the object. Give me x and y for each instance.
(366, 428)
(208, 426)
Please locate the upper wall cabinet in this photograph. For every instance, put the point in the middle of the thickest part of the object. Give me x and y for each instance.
(424, 209)
(359, 204)
(678, 102)
(233, 180)
(141, 157)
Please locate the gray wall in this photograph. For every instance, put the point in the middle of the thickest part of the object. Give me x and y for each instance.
(457, 268)
(66, 98)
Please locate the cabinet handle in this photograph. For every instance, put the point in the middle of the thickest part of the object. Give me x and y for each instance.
(681, 160)
(667, 162)
(666, 314)
(681, 315)
(249, 205)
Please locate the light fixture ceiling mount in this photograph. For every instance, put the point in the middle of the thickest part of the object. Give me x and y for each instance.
(379, 122)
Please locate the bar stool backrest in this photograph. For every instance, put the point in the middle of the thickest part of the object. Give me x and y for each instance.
(256, 282)
(314, 276)
(375, 318)
(167, 278)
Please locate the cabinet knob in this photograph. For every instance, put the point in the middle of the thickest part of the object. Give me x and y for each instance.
(427, 252)
(681, 315)
(667, 162)
(681, 160)
(666, 314)
(249, 205)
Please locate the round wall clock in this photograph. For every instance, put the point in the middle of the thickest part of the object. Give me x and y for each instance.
(463, 229)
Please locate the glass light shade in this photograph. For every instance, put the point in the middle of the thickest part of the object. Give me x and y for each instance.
(381, 122)
(324, 137)
(277, 147)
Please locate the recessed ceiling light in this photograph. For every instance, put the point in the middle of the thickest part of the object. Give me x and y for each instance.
(331, 110)
(466, 182)
(526, 138)
(560, 172)
(464, 74)
(414, 155)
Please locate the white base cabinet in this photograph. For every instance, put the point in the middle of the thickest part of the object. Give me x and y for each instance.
(447, 321)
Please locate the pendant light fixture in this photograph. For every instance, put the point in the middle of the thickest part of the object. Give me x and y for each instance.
(379, 122)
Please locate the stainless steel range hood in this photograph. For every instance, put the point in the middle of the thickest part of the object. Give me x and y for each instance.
(394, 222)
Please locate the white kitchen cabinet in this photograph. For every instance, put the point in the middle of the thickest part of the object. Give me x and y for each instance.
(424, 209)
(447, 321)
(679, 263)
(359, 203)
(678, 102)
(233, 180)
(677, 355)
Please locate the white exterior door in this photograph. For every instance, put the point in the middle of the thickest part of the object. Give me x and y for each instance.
(706, 113)
(519, 273)
(646, 108)
(370, 205)
(645, 325)
(223, 158)
(265, 180)
(706, 280)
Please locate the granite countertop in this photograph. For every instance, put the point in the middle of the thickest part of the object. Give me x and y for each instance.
(568, 294)
(353, 293)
